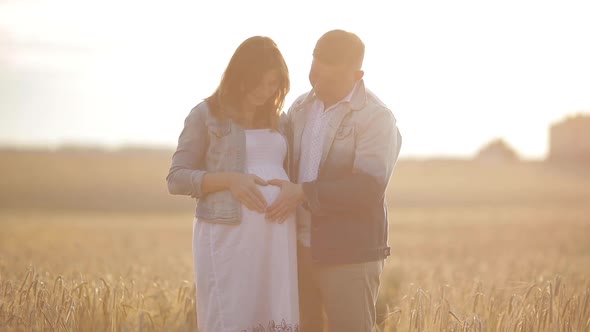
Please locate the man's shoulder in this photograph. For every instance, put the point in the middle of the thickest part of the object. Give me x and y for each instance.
(374, 105)
(299, 100)
(372, 99)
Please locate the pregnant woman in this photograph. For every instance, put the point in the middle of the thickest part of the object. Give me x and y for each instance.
(231, 145)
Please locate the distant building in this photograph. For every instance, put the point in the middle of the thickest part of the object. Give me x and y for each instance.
(497, 151)
(569, 140)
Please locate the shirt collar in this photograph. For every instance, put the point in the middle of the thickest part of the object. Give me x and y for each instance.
(358, 97)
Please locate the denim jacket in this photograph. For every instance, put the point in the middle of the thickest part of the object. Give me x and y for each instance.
(207, 144)
(349, 222)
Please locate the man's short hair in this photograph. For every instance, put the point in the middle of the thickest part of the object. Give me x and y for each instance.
(339, 47)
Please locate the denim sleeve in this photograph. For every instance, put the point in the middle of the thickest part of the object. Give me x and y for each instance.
(188, 162)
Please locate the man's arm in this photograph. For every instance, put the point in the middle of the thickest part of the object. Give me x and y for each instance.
(376, 153)
(377, 149)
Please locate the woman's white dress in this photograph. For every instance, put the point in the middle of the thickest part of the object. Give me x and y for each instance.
(246, 274)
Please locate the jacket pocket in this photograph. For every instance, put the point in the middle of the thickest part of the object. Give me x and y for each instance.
(219, 130)
(219, 143)
(342, 150)
(344, 132)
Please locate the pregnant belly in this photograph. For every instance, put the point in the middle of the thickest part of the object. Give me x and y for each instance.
(270, 192)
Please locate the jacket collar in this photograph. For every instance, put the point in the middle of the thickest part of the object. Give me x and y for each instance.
(358, 99)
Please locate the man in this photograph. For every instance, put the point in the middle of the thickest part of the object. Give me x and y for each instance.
(344, 143)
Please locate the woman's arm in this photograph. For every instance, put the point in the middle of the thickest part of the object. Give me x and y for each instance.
(188, 162)
(187, 175)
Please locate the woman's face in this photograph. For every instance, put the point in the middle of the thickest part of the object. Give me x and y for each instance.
(268, 86)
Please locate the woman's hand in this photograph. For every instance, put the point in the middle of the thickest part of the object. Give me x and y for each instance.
(289, 199)
(244, 188)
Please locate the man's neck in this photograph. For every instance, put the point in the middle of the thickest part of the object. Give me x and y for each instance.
(329, 102)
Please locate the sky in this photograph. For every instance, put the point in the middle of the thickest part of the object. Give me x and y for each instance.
(456, 74)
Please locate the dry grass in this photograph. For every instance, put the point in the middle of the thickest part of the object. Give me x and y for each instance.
(71, 272)
(477, 270)
(451, 270)
(92, 242)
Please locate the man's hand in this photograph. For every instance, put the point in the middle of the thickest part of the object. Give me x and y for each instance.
(244, 188)
(290, 197)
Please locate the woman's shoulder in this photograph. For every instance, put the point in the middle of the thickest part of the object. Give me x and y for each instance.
(201, 109)
(202, 112)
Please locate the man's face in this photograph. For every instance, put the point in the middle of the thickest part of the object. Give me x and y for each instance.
(332, 81)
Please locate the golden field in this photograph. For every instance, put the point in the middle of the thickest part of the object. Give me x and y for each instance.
(91, 241)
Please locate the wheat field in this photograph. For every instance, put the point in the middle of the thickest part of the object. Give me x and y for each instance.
(463, 270)
(473, 249)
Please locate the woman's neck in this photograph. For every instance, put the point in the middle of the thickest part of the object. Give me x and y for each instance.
(247, 114)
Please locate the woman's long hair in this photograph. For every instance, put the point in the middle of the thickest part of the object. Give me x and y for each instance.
(251, 60)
